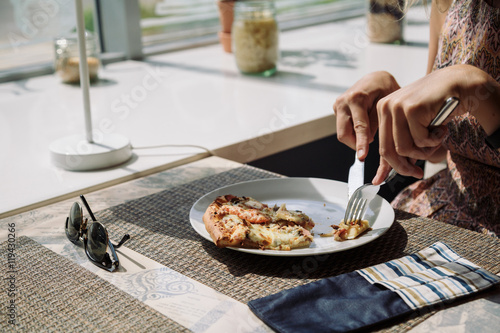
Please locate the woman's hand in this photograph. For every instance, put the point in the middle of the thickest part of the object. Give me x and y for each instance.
(356, 112)
(404, 116)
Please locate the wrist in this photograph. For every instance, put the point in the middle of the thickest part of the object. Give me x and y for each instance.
(438, 156)
(480, 96)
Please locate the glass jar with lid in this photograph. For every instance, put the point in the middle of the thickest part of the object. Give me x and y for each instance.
(67, 58)
(255, 37)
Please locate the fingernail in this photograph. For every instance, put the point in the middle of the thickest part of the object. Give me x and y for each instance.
(360, 153)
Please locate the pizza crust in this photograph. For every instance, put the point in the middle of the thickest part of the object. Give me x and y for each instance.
(219, 234)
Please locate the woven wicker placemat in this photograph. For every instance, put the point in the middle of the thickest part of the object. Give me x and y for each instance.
(160, 229)
(52, 294)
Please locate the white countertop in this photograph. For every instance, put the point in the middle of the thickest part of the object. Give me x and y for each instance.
(192, 97)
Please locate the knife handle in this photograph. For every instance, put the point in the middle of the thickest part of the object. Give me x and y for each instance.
(448, 107)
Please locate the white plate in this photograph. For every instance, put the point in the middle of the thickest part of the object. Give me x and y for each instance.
(323, 200)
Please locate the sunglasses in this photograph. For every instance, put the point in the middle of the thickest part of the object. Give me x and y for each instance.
(98, 247)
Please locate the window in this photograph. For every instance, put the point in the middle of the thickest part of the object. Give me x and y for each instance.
(170, 20)
(131, 28)
(164, 21)
(28, 29)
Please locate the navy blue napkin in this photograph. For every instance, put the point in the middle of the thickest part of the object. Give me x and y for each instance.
(375, 294)
(338, 304)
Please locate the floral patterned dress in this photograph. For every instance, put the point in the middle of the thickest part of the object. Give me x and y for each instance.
(467, 193)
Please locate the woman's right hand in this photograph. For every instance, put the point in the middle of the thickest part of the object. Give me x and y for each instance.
(356, 110)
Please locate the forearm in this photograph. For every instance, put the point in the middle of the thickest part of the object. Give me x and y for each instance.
(436, 21)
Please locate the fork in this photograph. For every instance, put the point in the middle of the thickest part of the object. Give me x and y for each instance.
(356, 207)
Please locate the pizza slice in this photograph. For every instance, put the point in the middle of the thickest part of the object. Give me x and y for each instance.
(247, 223)
(349, 230)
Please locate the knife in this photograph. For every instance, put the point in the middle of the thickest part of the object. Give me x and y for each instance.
(356, 175)
(357, 170)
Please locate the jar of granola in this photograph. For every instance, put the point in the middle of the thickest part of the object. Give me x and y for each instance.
(255, 37)
(67, 58)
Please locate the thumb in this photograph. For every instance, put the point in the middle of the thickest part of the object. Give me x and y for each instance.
(383, 170)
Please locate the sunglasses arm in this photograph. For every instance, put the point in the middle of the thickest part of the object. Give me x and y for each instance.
(124, 239)
(88, 208)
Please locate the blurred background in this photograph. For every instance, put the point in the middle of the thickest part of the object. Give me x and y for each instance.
(28, 27)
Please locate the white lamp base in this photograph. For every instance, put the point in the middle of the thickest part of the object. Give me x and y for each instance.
(75, 153)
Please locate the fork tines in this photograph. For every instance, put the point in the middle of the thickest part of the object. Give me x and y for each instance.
(355, 211)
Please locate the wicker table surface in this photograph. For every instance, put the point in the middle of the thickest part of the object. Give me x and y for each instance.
(160, 223)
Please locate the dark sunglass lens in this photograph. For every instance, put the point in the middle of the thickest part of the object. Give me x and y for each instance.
(74, 222)
(97, 242)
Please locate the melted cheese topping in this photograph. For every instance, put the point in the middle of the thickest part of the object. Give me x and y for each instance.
(350, 230)
(255, 204)
(283, 214)
(279, 237)
(236, 227)
(356, 229)
(271, 228)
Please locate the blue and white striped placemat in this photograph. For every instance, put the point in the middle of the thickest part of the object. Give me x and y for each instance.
(433, 275)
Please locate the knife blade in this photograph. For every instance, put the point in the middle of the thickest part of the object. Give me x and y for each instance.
(356, 175)
(357, 169)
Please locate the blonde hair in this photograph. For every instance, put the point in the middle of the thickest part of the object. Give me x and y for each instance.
(408, 3)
